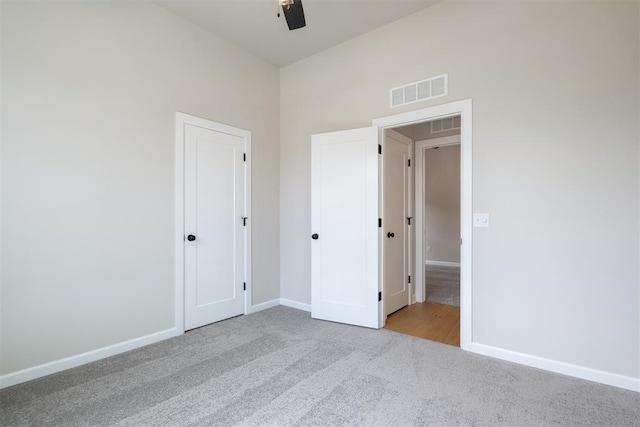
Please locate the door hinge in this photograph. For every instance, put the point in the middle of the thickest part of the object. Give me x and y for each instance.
(244, 286)
(379, 222)
(409, 162)
(379, 149)
(379, 296)
(244, 157)
(409, 218)
(409, 279)
(244, 221)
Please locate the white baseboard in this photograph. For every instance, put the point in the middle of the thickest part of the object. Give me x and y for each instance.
(442, 263)
(263, 306)
(281, 301)
(616, 380)
(45, 369)
(80, 359)
(568, 369)
(295, 304)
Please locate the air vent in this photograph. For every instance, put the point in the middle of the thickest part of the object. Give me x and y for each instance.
(446, 124)
(419, 91)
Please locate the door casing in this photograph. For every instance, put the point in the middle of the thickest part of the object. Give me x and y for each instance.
(464, 109)
(183, 119)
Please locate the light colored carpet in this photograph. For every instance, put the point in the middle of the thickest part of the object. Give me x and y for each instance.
(443, 284)
(279, 367)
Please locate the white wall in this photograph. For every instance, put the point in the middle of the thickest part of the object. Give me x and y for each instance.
(555, 162)
(89, 94)
(442, 204)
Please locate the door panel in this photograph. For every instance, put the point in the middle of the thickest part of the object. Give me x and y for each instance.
(395, 236)
(344, 214)
(214, 207)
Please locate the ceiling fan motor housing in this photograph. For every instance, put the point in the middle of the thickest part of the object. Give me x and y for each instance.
(293, 13)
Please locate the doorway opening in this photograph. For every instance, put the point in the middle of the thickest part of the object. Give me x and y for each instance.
(436, 178)
(352, 236)
(438, 252)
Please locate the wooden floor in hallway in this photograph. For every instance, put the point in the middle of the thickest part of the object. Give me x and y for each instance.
(433, 321)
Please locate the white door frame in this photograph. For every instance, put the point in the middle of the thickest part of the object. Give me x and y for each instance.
(183, 119)
(464, 109)
(421, 147)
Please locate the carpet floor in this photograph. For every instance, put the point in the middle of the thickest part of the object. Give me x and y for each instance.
(443, 284)
(279, 367)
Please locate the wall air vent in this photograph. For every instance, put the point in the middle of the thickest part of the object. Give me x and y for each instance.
(445, 125)
(419, 91)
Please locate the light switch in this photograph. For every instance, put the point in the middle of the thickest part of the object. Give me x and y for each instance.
(481, 220)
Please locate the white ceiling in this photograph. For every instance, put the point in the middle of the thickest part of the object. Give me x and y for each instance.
(253, 25)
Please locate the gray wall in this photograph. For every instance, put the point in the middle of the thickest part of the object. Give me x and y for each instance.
(442, 203)
(89, 95)
(555, 162)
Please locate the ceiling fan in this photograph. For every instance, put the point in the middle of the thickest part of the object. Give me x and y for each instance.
(293, 13)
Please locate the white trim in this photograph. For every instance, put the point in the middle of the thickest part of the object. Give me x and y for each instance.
(463, 108)
(264, 305)
(179, 225)
(295, 304)
(83, 358)
(608, 378)
(602, 377)
(281, 301)
(247, 235)
(423, 114)
(382, 317)
(442, 141)
(442, 263)
(183, 119)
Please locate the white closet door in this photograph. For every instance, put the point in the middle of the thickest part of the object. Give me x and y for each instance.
(214, 234)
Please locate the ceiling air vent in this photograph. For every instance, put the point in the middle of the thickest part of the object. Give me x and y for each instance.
(419, 91)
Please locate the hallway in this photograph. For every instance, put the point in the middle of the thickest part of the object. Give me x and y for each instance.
(433, 321)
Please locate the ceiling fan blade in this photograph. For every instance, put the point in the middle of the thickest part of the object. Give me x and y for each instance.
(294, 14)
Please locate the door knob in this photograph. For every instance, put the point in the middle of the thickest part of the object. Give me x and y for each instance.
(314, 236)
(191, 237)
(391, 235)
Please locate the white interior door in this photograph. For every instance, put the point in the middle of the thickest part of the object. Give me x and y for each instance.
(344, 221)
(395, 227)
(214, 207)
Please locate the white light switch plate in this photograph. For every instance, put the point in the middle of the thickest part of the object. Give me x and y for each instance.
(481, 220)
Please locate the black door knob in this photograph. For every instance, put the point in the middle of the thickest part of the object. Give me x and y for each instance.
(314, 236)
(191, 237)
(391, 235)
